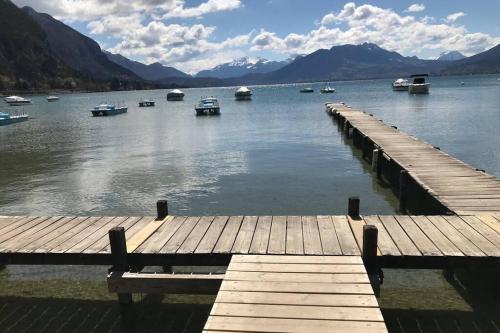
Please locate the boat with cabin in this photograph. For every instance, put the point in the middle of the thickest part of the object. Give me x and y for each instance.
(400, 85)
(146, 103)
(418, 84)
(7, 118)
(307, 90)
(207, 106)
(52, 99)
(243, 94)
(327, 89)
(108, 110)
(16, 100)
(175, 95)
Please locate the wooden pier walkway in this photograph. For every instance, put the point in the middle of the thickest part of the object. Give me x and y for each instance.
(431, 178)
(262, 293)
(403, 241)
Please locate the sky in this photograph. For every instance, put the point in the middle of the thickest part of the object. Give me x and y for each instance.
(192, 35)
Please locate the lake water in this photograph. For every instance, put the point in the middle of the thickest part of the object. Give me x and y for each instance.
(277, 154)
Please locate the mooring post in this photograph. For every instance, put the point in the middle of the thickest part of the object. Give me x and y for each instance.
(369, 255)
(119, 257)
(347, 129)
(403, 190)
(353, 207)
(161, 209)
(380, 157)
(374, 160)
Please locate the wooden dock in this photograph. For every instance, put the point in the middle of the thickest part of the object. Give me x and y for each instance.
(428, 180)
(262, 293)
(403, 241)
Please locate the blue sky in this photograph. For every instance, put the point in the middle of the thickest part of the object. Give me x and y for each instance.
(194, 35)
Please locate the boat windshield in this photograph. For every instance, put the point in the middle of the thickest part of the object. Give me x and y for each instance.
(419, 80)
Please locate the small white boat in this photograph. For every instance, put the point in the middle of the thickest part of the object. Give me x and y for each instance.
(243, 94)
(400, 85)
(52, 98)
(16, 100)
(327, 89)
(175, 95)
(418, 84)
(7, 118)
(108, 110)
(146, 103)
(207, 106)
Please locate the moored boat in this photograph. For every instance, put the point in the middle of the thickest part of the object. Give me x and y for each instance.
(108, 110)
(307, 90)
(7, 118)
(327, 89)
(52, 98)
(146, 103)
(400, 85)
(175, 95)
(207, 106)
(243, 94)
(418, 84)
(16, 100)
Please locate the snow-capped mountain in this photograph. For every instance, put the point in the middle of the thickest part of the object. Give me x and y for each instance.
(242, 66)
(451, 56)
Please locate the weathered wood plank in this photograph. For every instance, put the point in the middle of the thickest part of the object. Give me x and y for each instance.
(298, 287)
(180, 235)
(329, 240)
(261, 236)
(437, 237)
(312, 240)
(297, 277)
(346, 239)
(245, 235)
(193, 239)
(294, 235)
(228, 236)
(424, 244)
(277, 239)
(401, 239)
(386, 245)
(162, 235)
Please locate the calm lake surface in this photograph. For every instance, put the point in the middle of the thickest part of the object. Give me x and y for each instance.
(277, 154)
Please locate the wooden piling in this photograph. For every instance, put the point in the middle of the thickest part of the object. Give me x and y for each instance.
(118, 244)
(161, 209)
(347, 129)
(380, 160)
(375, 160)
(353, 207)
(403, 190)
(369, 255)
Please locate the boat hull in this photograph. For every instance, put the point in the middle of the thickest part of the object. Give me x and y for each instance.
(327, 91)
(418, 88)
(207, 111)
(110, 112)
(146, 104)
(18, 103)
(174, 98)
(243, 97)
(400, 88)
(13, 120)
(307, 91)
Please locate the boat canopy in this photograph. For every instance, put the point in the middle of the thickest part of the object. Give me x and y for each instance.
(417, 75)
(243, 89)
(176, 91)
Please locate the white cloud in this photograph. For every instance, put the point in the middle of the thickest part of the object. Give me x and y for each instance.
(415, 8)
(207, 7)
(453, 17)
(367, 23)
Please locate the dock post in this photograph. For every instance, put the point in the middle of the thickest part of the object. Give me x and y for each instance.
(353, 207)
(403, 190)
(380, 158)
(118, 245)
(375, 160)
(347, 129)
(161, 209)
(369, 255)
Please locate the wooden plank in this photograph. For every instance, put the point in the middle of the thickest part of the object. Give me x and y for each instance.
(246, 297)
(6, 221)
(386, 245)
(346, 239)
(297, 277)
(180, 235)
(162, 236)
(424, 244)
(129, 234)
(400, 238)
(437, 237)
(482, 228)
(212, 236)
(295, 268)
(261, 236)
(459, 240)
(297, 312)
(245, 235)
(312, 240)
(292, 259)
(228, 236)
(193, 239)
(298, 287)
(9, 227)
(22, 226)
(145, 233)
(329, 240)
(294, 235)
(357, 230)
(277, 240)
(490, 221)
(237, 324)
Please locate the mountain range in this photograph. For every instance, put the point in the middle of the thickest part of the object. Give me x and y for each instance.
(38, 52)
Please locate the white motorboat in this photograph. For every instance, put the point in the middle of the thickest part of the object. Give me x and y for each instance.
(400, 85)
(307, 90)
(7, 118)
(52, 98)
(208, 106)
(16, 100)
(175, 95)
(108, 110)
(418, 84)
(327, 89)
(243, 94)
